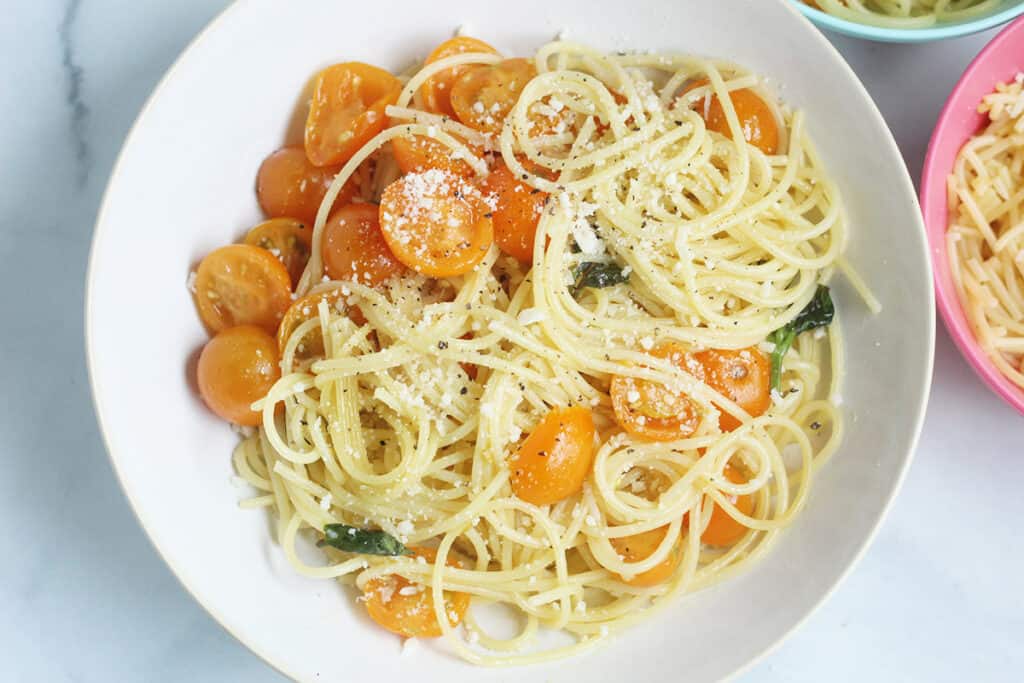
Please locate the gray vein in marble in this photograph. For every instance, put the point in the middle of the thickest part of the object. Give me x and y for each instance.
(77, 109)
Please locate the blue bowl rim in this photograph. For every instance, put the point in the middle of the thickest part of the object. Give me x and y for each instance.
(909, 35)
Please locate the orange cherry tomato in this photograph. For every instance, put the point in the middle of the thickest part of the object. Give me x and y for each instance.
(555, 459)
(417, 153)
(723, 530)
(436, 223)
(641, 546)
(289, 186)
(517, 213)
(286, 238)
(438, 88)
(483, 96)
(347, 110)
(237, 367)
(411, 614)
(354, 248)
(756, 118)
(743, 376)
(307, 308)
(650, 410)
(242, 285)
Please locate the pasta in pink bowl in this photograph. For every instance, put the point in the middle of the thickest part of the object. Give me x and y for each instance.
(972, 213)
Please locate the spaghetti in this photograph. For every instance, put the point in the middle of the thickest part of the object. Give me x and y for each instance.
(683, 219)
(985, 241)
(906, 14)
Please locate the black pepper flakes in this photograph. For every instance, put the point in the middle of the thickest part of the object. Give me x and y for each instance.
(442, 345)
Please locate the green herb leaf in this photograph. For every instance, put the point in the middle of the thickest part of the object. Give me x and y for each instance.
(819, 312)
(591, 274)
(354, 540)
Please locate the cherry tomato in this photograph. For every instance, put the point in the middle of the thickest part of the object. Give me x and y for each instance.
(756, 118)
(289, 186)
(723, 530)
(436, 223)
(392, 604)
(242, 285)
(437, 89)
(742, 376)
(347, 110)
(287, 239)
(236, 368)
(354, 247)
(651, 410)
(641, 546)
(483, 96)
(417, 153)
(518, 211)
(555, 459)
(307, 308)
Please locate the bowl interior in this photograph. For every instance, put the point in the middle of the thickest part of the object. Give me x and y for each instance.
(1000, 61)
(1007, 11)
(184, 185)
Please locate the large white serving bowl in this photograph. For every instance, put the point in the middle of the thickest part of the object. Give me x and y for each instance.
(184, 185)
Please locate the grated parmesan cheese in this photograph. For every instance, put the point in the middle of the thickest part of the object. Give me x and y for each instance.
(529, 316)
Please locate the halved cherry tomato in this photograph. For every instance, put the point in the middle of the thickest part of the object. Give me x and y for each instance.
(307, 308)
(242, 285)
(483, 96)
(347, 110)
(516, 214)
(287, 239)
(651, 410)
(756, 118)
(641, 546)
(436, 223)
(549, 117)
(237, 367)
(354, 247)
(407, 608)
(417, 153)
(555, 459)
(288, 186)
(437, 89)
(743, 376)
(722, 529)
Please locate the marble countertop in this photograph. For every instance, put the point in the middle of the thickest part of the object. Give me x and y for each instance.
(83, 595)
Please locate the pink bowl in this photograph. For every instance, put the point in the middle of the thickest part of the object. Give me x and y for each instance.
(1000, 61)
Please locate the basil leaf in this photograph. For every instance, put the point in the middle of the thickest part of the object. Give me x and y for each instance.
(354, 540)
(599, 275)
(819, 312)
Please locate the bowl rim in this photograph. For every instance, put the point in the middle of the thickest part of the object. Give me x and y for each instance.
(908, 35)
(916, 424)
(933, 191)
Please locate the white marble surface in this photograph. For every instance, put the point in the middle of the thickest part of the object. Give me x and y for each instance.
(83, 596)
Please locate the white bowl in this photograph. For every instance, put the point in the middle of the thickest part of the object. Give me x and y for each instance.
(184, 185)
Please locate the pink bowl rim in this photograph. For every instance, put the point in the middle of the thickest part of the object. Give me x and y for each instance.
(933, 189)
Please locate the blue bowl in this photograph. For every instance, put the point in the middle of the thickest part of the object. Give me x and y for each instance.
(1010, 10)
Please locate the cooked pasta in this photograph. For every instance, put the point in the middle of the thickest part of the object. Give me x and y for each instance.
(578, 419)
(985, 241)
(906, 13)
